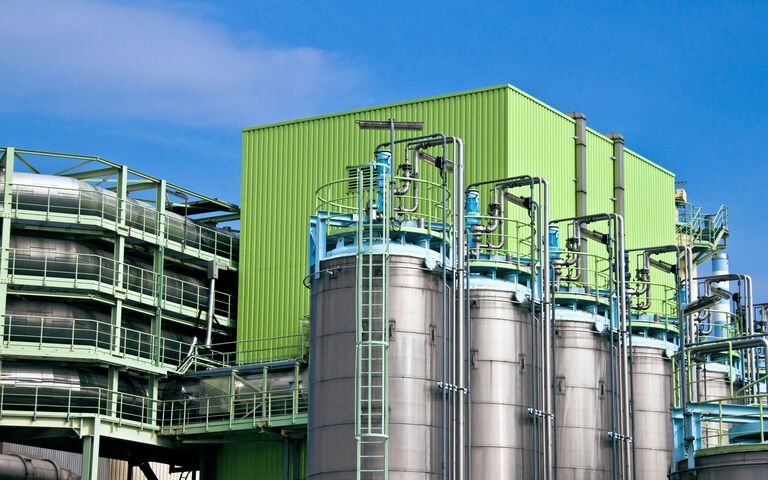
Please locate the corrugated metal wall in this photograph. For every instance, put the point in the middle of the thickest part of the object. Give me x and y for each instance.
(118, 470)
(650, 212)
(284, 164)
(540, 143)
(506, 132)
(261, 459)
(600, 198)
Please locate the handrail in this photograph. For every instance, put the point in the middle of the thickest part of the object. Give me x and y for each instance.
(69, 402)
(79, 267)
(143, 220)
(265, 350)
(597, 278)
(226, 411)
(335, 197)
(168, 417)
(48, 332)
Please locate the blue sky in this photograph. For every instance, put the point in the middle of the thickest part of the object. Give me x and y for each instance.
(167, 86)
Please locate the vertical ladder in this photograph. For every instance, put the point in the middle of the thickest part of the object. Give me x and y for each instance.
(372, 324)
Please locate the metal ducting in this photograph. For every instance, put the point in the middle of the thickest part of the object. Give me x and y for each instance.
(19, 467)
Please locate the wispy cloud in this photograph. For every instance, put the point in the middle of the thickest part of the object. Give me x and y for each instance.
(109, 61)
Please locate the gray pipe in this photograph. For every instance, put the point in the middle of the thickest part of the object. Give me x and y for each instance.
(213, 273)
(581, 183)
(460, 230)
(540, 241)
(19, 467)
(618, 173)
(616, 224)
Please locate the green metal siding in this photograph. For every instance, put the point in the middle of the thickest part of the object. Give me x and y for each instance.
(284, 164)
(507, 133)
(258, 459)
(600, 198)
(650, 204)
(650, 210)
(541, 143)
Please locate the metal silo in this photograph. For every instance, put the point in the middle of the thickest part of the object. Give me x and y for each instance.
(652, 403)
(592, 383)
(510, 349)
(415, 368)
(503, 363)
(388, 398)
(727, 464)
(582, 396)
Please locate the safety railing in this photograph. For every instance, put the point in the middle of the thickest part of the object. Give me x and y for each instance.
(712, 324)
(339, 199)
(99, 207)
(87, 335)
(82, 270)
(511, 238)
(689, 220)
(714, 226)
(229, 412)
(662, 304)
(264, 350)
(738, 419)
(596, 281)
(170, 417)
(75, 401)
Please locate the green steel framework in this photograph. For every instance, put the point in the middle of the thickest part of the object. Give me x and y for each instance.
(113, 414)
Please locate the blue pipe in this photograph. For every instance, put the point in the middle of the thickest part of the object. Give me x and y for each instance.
(471, 211)
(383, 168)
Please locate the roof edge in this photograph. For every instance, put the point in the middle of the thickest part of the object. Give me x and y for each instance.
(503, 86)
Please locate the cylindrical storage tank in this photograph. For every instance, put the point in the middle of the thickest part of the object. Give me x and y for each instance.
(720, 314)
(415, 367)
(502, 370)
(582, 397)
(712, 381)
(652, 403)
(742, 464)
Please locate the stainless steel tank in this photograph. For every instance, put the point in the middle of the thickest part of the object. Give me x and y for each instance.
(582, 397)
(502, 366)
(712, 384)
(740, 463)
(415, 367)
(652, 403)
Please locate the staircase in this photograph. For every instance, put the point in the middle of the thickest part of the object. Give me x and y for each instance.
(705, 234)
(199, 361)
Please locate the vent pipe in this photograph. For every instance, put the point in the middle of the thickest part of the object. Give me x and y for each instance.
(618, 174)
(580, 136)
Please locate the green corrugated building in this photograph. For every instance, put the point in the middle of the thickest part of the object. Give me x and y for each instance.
(506, 131)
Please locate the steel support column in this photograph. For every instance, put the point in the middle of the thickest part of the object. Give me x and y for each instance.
(5, 232)
(90, 460)
(159, 262)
